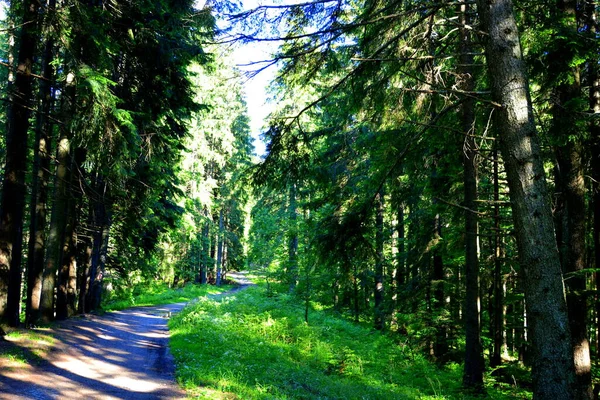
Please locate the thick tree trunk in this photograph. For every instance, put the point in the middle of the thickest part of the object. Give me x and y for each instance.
(85, 262)
(39, 195)
(62, 196)
(571, 169)
(101, 229)
(12, 202)
(379, 312)
(594, 100)
(67, 275)
(96, 290)
(552, 369)
(474, 365)
(571, 163)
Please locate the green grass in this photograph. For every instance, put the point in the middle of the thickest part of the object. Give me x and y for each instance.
(158, 294)
(25, 346)
(248, 346)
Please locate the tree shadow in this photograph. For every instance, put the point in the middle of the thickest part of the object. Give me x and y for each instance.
(120, 355)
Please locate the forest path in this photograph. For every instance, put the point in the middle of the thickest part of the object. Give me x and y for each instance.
(119, 355)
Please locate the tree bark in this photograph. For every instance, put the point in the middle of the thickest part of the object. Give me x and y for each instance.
(498, 335)
(552, 364)
(67, 276)
(571, 169)
(594, 102)
(12, 202)
(101, 228)
(41, 177)
(62, 195)
(440, 346)
(219, 249)
(379, 312)
(474, 365)
(85, 262)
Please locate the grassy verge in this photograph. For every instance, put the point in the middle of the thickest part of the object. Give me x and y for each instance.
(248, 346)
(160, 294)
(20, 347)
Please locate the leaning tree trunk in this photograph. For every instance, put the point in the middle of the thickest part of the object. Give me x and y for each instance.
(12, 202)
(552, 361)
(473, 370)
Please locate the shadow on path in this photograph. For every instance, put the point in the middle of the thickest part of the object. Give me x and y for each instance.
(120, 355)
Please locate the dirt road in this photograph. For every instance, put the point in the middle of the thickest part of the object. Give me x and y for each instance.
(120, 355)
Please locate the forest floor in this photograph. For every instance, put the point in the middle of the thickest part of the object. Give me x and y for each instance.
(118, 355)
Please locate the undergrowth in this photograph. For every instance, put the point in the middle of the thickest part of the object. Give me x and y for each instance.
(250, 346)
(158, 294)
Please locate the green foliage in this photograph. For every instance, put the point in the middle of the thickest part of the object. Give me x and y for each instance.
(150, 293)
(255, 347)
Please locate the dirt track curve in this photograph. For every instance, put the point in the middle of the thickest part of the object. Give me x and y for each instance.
(120, 355)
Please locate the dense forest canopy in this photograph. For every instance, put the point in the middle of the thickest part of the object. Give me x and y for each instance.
(432, 167)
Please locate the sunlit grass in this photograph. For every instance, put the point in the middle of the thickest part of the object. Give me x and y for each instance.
(22, 346)
(248, 346)
(161, 294)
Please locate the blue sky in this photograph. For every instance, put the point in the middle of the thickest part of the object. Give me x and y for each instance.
(255, 88)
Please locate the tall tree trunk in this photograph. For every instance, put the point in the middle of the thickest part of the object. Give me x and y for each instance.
(100, 261)
(401, 273)
(205, 249)
(440, 346)
(85, 262)
(379, 312)
(571, 163)
(62, 195)
(100, 205)
(571, 168)
(293, 240)
(552, 369)
(473, 371)
(355, 291)
(41, 177)
(12, 202)
(219, 249)
(594, 101)
(67, 275)
(499, 313)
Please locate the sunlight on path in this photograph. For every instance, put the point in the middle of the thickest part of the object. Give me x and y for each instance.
(121, 355)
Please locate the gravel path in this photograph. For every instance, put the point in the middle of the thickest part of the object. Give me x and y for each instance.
(120, 355)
